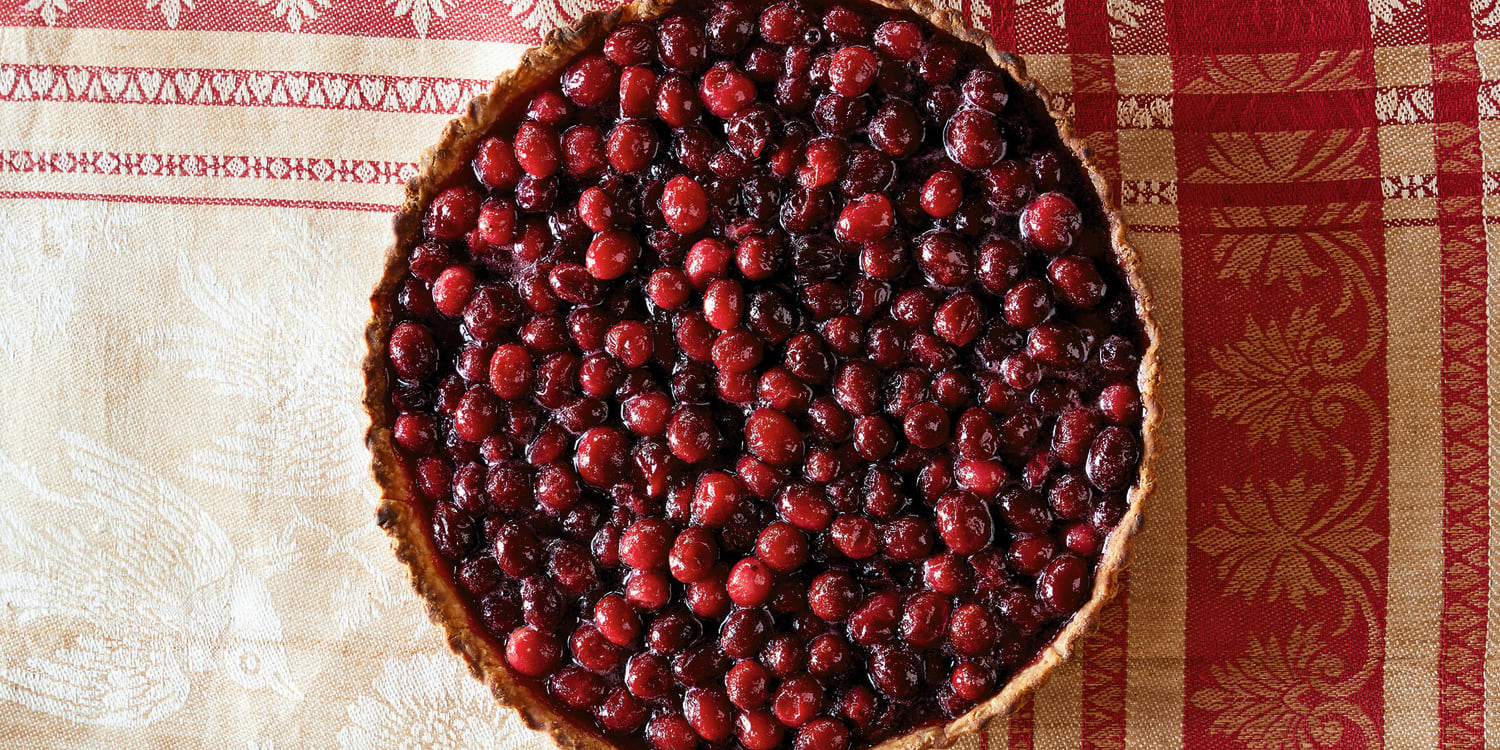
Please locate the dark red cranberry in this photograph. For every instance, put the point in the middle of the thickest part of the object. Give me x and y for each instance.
(972, 138)
(413, 352)
(1051, 222)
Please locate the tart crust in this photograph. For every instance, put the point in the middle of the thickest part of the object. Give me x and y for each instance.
(402, 512)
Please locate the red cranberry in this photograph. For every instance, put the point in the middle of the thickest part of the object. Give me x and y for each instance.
(1120, 403)
(726, 90)
(1112, 458)
(797, 701)
(750, 582)
(896, 129)
(972, 138)
(759, 730)
(852, 71)
(452, 213)
(589, 80)
(413, 352)
(748, 685)
(866, 219)
(1051, 222)
(1062, 585)
(945, 259)
(681, 44)
(532, 652)
(495, 165)
(709, 713)
(684, 205)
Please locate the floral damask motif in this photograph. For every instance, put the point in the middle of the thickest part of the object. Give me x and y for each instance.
(1144, 111)
(1271, 535)
(294, 12)
(148, 581)
(1275, 72)
(1292, 693)
(1286, 382)
(427, 701)
(1287, 156)
(1259, 245)
(276, 345)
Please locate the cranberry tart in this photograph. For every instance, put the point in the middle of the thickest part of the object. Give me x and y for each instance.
(762, 375)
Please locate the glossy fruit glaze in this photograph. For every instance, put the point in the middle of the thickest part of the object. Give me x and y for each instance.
(770, 380)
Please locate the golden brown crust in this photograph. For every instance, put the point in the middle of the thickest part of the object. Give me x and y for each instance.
(401, 511)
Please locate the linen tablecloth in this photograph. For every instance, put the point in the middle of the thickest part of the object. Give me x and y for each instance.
(194, 202)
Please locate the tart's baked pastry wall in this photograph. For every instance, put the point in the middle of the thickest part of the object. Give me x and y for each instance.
(403, 513)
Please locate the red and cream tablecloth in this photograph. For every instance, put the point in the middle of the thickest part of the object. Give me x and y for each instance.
(194, 202)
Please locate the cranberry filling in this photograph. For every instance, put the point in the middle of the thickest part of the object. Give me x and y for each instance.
(770, 380)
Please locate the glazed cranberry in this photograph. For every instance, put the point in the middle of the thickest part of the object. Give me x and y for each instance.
(773, 437)
(748, 685)
(495, 165)
(852, 70)
(901, 40)
(822, 734)
(1056, 345)
(1076, 280)
(946, 574)
(782, 546)
(1120, 403)
(1028, 303)
(647, 590)
(413, 352)
(942, 194)
(589, 80)
(537, 149)
(867, 218)
(622, 712)
(896, 672)
(972, 138)
(945, 259)
(1063, 584)
(1051, 222)
(630, 44)
(782, 23)
(1112, 458)
(750, 582)
(896, 129)
(681, 44)
(759, 730)
(601, 456)
(532, 652)
(631, 146)
(684, 205)
(716, 499)
(797, 701)
(670, 731)
(926, 425)
(452, 213)
(726, 90)
(709, 713)
(477, 415)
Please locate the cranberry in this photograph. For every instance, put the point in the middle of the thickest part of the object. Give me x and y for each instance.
(532, 652)
(896, 129)
(852, 71)
(709, 713)
(945, 259)
(413, 352)
(726, 90)
(681, 44)
(1120, 403)
(495, 165)
(1051, 222)
(972, 138)
(684, 205)
(452, 213)
(867, 218)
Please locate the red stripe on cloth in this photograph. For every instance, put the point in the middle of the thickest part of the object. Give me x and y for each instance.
(220, 87)
(1463, 622)
(1104, 677)
(1284, 320)
(363, 171)
(1021, 730)
(520, 21)
(176, 200)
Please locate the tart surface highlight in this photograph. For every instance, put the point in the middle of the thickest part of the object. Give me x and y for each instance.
(762, 376)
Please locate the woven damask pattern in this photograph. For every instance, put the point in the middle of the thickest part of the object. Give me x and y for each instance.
(195, 199)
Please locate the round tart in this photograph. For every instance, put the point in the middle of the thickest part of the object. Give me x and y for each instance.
(758, 376)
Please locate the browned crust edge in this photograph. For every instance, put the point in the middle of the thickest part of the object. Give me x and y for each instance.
(413, 546)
